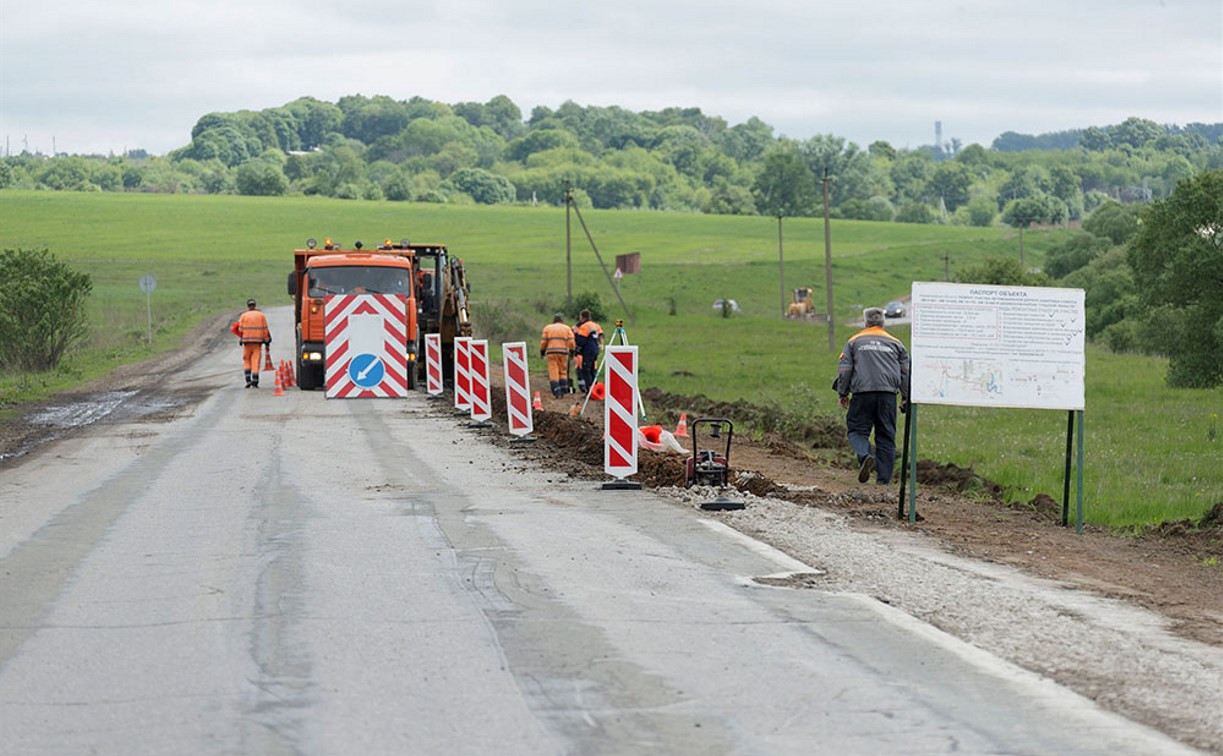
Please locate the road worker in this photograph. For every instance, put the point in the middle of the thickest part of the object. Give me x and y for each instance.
(253, 334)
(873, 368)
(589, 338)
(557, 346)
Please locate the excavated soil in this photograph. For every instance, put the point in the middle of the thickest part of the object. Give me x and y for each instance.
(1175, 569)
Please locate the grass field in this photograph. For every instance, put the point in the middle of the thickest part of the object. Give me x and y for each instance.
(1151, 453)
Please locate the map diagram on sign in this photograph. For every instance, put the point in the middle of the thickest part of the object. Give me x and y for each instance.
(995, 346)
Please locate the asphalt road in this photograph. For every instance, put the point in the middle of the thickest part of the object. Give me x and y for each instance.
(299, 575)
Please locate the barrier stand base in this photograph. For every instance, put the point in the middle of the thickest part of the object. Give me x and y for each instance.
(721, 504)
(621, 485)
(481, 424)
(523, 440)
(435, 396)
(462, 413)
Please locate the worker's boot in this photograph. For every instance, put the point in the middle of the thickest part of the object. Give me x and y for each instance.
(247, 373)
(556, 389)
(254, 380)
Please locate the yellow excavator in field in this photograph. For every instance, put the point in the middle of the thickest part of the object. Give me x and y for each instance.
(802, 306)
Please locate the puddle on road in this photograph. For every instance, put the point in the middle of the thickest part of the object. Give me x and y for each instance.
(57, 420)
(80, 413)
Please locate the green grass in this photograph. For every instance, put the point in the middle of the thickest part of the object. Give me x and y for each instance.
(1149, 453)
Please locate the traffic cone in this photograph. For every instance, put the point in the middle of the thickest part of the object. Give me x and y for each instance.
(537, 404)
(290, 374)
(681, 430)
(267, 365)
(279, 389)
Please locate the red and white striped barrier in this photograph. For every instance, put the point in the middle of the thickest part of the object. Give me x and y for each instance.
(481, 405)
(366, 342)
(517, 389)
(433, 363)
(620, 416)
(462, 379)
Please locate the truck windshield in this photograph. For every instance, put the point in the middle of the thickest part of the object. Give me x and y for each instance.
(359, 279)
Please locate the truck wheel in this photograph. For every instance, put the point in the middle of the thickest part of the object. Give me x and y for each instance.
(308, 377)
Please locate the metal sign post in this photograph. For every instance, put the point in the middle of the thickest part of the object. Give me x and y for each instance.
(147, 284)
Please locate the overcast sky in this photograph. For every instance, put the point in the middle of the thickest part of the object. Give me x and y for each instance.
(99, 76)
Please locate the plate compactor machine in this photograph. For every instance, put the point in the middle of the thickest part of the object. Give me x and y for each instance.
(711, 467)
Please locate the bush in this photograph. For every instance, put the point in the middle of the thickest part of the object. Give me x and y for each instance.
(1113, 221)
(1001, 271)
(261, 177)
(42, 309)
(1074, 253)
(586, 300)
(981, 211)
(484, 187)
(915, 212)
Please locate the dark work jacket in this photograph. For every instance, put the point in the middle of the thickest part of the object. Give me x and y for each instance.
(873, 360)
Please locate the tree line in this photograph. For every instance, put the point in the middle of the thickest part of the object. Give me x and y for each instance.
(681, 159)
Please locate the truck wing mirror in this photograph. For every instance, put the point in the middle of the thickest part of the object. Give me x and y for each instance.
(293, 284)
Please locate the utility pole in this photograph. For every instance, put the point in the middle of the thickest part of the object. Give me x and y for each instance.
(832, 321)
(781, 268)
(946, 266)
(568, 249)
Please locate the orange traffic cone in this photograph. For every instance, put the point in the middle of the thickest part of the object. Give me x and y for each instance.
(292, 379)
(681, 430)
(279, 389)
(537, 404)
(267, 365)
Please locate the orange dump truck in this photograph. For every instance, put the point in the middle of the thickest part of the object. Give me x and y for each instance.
(434, 283)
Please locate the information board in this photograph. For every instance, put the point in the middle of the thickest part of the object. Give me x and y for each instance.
(997, 346)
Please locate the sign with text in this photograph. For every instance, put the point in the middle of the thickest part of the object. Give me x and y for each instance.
(997, 346)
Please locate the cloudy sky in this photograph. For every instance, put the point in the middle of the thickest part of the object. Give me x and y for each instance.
(91, 76)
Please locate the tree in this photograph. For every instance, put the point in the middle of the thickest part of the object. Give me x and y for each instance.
(1022, 213)
(1001, 271)
(981, 211)
(784, 185)
(849, 167)
(484, 187)
(1074, 253)
(261, 177)
(1135, 132)
(951, 181)
(1112, 221)
(42, 308)
(1177, 258)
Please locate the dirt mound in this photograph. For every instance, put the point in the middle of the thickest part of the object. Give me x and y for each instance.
(818, 433)
(1213, 518)
(1044, 506)
(962, 479)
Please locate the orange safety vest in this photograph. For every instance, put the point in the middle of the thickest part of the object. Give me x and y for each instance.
(253, 328)
(589, 329)
(557, 339)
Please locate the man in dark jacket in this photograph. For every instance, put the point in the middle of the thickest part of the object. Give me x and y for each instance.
(873, 367)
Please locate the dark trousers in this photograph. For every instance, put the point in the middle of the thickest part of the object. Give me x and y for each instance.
(586, 373)
(877, 410)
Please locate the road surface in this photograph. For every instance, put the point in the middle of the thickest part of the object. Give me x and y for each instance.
(292, 574)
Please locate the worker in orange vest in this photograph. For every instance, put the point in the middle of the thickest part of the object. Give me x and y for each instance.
(557, 346)
(252, 332)
(589, 338)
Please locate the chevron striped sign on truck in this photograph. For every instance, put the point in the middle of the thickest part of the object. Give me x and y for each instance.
(366, 345)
